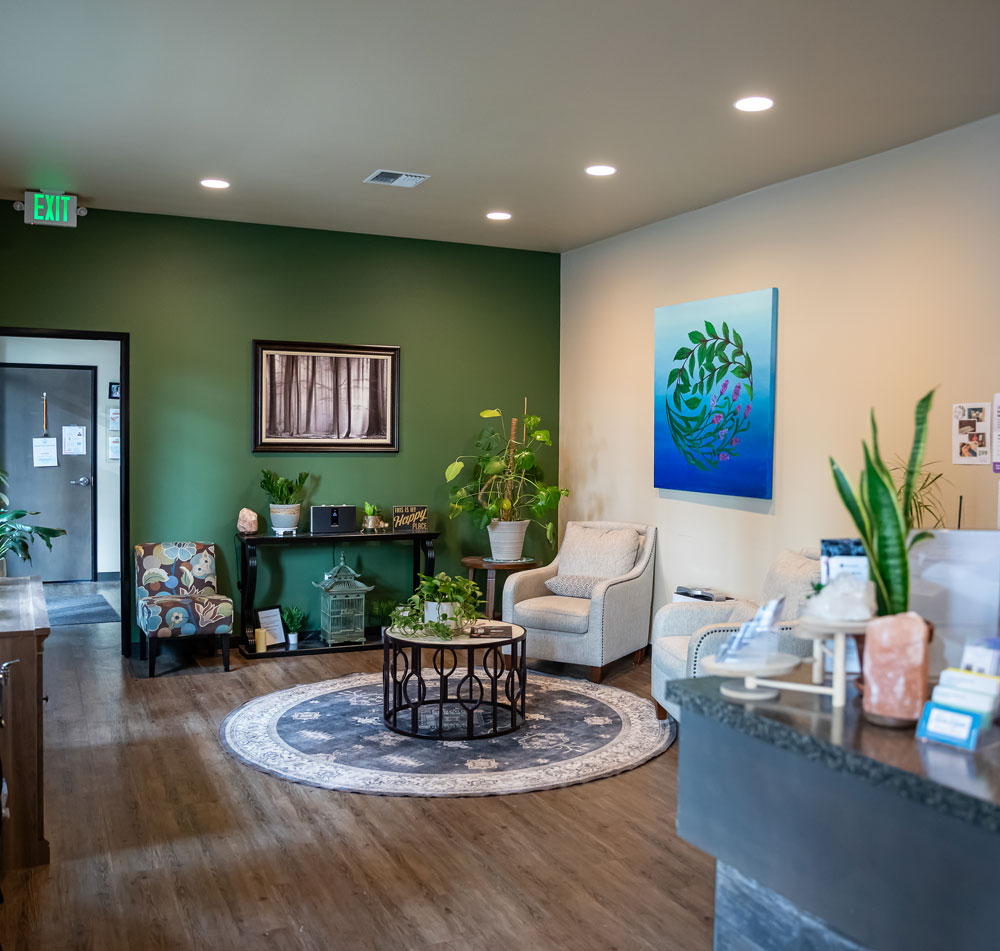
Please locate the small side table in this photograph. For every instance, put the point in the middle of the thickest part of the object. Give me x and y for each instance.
(482, 563)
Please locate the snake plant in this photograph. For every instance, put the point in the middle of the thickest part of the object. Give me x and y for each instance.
(882, 519)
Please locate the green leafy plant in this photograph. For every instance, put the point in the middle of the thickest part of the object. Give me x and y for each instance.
(506, 482)
(282, 491)
(408, 618)
(379, 610)
(371, 509)
(925, 505)
(882, 518)
(294, 618)
(16, 537)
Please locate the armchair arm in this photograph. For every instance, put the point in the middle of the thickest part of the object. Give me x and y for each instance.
(683, 618)
(522, 585)
(620, 609)
(709, 639)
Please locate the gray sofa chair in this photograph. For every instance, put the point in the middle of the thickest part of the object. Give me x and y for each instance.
(592, 631)
(685, 632)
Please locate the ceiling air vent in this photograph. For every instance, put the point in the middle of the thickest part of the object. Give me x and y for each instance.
(383, 176)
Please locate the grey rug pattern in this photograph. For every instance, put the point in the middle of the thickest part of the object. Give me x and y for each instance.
(331, 734)
(79, 609)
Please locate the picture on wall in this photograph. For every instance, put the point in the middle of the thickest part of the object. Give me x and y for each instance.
(312, 397)
(714, 363)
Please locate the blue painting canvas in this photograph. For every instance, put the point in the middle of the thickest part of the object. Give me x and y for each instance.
(714, 392)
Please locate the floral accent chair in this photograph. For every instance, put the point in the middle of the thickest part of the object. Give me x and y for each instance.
(176, 596)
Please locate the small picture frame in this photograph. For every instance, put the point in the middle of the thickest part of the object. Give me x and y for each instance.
(269, 618)
(409, 518)
(114, 391)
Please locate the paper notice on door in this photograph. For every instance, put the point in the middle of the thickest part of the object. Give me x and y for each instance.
(43, 452)
(996, 433)
(114, 447)
(74, 440)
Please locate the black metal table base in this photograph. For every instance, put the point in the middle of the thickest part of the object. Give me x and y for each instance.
(483, 700)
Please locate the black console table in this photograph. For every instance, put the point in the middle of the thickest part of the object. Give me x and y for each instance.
(247, 582)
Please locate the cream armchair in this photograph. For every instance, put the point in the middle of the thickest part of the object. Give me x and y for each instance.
(686, 632)
(596, 630)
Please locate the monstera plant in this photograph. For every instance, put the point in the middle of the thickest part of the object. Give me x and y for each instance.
(707, 433)
(884, 520)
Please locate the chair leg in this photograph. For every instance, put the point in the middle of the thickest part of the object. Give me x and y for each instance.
(596, 674)
(225, 652)
(142, 644)
(153, 649)
(661, 714)
(639, 656)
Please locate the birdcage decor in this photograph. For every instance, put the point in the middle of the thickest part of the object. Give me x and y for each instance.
(342, 605)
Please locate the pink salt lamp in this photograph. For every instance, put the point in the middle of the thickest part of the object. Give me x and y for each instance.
(895, 669)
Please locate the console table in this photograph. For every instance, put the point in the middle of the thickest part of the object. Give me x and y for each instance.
(247, 581)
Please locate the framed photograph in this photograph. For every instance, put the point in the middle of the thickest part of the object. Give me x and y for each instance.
(270, 619)
(321, 397)
(114, 391)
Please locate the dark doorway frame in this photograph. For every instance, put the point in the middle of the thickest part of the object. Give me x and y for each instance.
(92, 440)
(125, 512)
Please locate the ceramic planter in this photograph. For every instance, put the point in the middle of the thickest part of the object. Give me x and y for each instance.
(507, 539)
(371, 523)
(285, 518)
(433, 611)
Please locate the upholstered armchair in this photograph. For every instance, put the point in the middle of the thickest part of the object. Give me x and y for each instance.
(593, 603)
(686, 632)
(176, 596)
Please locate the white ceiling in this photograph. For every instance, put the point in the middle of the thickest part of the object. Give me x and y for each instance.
(502, 102)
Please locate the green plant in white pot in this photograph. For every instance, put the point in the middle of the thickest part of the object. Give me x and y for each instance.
(506, 489)
(440, 607)
(286, 499)
(16, 536)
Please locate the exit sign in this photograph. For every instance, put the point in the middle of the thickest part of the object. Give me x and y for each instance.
(41, 208)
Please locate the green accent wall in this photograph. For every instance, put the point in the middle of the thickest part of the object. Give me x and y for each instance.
(478, 327)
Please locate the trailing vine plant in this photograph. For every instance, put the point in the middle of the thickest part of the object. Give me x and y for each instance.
(707, 429)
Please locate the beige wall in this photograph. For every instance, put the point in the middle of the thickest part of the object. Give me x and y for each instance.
(888, 271)
(102, 354)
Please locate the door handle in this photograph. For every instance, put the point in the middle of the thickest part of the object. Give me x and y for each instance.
(83, 480)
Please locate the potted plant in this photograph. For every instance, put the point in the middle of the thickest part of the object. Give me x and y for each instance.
(441, 606)
(294, 618)
(17, 536)
(372, 521)
(286, 498)
(506, 490)
(886, 522)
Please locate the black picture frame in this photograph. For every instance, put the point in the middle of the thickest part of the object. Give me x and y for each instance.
(284, 632)
(277, 414)
(114, 391)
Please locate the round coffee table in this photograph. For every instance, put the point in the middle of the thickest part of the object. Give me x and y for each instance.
(461, 696)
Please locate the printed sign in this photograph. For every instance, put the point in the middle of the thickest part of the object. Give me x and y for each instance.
(970, 433)
(74, 440)
(43, 452)
(409, 518)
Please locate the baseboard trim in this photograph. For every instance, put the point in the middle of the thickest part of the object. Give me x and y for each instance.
(109, 576)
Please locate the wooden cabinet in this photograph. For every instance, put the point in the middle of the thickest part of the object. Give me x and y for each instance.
(24, 625)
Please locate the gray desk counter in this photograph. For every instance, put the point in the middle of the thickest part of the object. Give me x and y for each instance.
(833, 833)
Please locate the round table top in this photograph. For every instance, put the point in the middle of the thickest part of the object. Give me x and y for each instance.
(815, 628)
(774, 665)
(485, 562)
(517, 634)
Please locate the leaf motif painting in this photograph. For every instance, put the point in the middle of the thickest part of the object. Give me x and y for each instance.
(714, 395)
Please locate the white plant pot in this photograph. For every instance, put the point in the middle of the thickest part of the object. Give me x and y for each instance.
(285, 518)
(433, 611)
(507, 539)
(293, 638)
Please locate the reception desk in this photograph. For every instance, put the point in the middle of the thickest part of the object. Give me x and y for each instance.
(831, 833)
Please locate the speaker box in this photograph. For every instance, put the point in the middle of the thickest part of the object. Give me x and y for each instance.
(333, 519)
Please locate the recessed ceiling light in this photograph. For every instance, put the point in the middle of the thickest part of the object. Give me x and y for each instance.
(753, 104)
(600, 170)
(498, 215)
(215, 183)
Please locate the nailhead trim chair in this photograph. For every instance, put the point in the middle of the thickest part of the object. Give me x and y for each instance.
(176, 596)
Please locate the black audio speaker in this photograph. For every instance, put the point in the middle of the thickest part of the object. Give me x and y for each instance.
(333, 519)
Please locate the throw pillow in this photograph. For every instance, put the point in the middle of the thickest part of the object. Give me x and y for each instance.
(573, 586)
(598, 552)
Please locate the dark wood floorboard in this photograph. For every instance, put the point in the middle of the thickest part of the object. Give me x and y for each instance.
(161, 841)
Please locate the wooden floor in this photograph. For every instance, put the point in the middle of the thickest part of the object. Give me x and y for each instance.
(162, 841)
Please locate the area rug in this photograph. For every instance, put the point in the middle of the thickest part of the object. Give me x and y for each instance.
(79, 609)
(331, 734)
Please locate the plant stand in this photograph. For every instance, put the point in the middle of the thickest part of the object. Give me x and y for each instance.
(753, 686)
